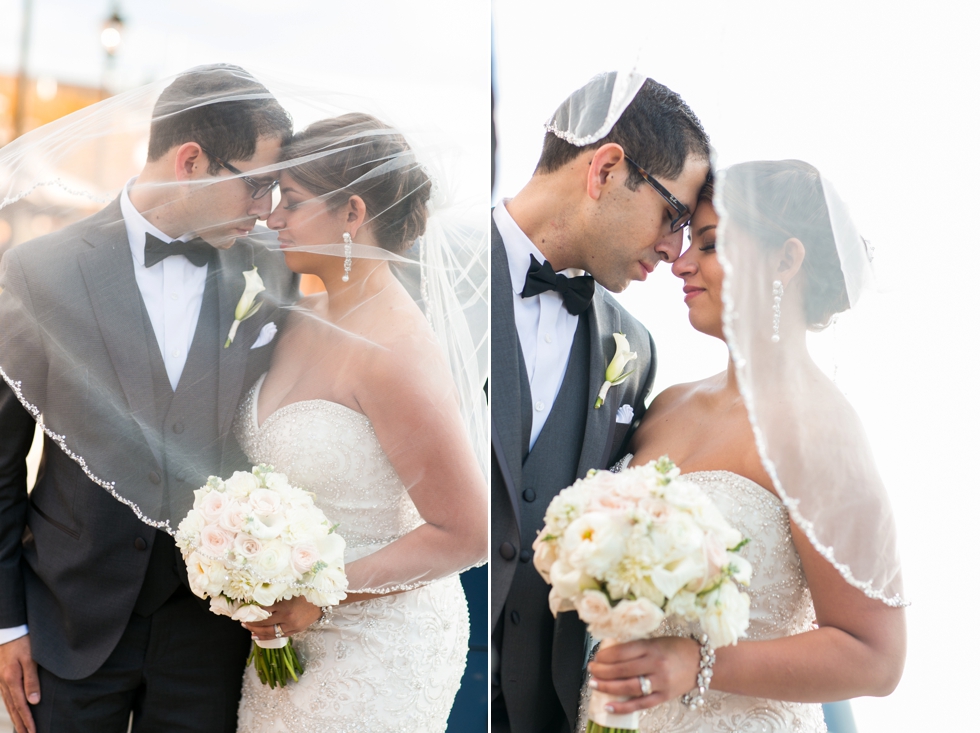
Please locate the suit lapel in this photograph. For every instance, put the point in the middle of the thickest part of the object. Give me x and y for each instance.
(231, 264)
(110, 279)
(505, 386)
(603, 322)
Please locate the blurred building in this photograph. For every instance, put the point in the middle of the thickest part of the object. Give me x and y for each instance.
(45, 100)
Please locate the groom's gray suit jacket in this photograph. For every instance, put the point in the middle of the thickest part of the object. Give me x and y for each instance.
(75, 563)
(541, 659)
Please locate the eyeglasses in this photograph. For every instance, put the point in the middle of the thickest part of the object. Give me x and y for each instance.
(683, 217)
(259, 189)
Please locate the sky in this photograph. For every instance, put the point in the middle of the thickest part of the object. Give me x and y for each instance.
(883, 100)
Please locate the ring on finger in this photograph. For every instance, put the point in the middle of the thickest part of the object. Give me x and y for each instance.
(645, 686)
(278, 629)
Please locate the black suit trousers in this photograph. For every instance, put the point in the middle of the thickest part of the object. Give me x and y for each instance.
(178, 671)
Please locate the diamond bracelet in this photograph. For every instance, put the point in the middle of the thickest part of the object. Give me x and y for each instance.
(695, 698)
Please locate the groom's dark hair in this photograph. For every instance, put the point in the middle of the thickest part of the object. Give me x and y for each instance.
(657, 130)
(220, 107)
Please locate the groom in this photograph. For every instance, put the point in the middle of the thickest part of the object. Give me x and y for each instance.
(114, 329)
(589, 221)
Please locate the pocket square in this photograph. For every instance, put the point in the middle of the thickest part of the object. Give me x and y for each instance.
(624, 414)
(266, 335)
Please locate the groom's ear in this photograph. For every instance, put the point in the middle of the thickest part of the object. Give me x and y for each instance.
(608, 164)
(790, 259)
(190, 162)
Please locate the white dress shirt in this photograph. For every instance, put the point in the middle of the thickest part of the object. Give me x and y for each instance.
(172, 291)
(544, 326)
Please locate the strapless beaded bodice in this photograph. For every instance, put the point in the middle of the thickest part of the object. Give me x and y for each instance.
(390, 664)
(781, 606)
(332, 451)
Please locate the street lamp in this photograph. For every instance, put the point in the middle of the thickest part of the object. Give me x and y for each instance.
(111, 38)
(112, 33)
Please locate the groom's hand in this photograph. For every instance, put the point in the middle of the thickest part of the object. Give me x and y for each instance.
(18, 683)
(670, 663)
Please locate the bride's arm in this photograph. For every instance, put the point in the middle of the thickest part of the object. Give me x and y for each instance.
(858, 649)
(410, 399)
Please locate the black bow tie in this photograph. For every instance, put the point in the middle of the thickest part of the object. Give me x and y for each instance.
(577, 292)
(196, 250)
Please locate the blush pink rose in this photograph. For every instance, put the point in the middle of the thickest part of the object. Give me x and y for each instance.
(215, 541)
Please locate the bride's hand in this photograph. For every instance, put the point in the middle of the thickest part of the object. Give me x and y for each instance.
(293, 616)
(670, 663)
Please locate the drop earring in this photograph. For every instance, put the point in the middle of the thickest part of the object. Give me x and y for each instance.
(347, 258)
(777, 296)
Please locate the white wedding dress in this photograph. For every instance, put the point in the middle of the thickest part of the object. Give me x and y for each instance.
(781, 606)
(388, 665)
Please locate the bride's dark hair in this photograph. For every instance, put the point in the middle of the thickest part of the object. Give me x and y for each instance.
(780, 199)
(345, 150)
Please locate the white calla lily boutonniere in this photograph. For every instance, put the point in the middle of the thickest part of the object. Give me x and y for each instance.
(247, 307)
(614, 372)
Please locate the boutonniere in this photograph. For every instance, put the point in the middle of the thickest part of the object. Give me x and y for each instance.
(614, 372)
(247, 307)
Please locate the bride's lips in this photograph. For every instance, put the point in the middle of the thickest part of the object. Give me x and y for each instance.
(691, 292)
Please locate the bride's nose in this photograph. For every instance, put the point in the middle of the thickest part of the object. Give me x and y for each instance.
(685, 264)
(276, 219)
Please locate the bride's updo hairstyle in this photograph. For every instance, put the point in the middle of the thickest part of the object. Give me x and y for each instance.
(358, 154)
(781, 199)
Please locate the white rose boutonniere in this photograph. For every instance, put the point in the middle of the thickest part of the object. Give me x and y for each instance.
(247, 307)
(614, 372)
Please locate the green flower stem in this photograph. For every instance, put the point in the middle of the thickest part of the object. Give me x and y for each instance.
(275, 667)
(593, 727)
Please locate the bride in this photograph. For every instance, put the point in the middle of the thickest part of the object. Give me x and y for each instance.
(775, 444)
(359, 406)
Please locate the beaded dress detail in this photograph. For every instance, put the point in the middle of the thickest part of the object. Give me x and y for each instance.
(388, 665)
(781, 606)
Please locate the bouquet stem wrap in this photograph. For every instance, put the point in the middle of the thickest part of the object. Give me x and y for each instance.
(600, 719)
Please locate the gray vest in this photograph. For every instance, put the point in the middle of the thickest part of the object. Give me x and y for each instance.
(527, 624)
(187, 445)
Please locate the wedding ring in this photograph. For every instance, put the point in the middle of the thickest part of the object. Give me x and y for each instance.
(278, 629)
(645, 687)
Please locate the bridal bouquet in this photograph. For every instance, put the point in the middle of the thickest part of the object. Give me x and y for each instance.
(253, 540)
(628, 550)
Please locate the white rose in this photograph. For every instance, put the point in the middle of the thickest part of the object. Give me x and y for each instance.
(268, 593)
(247, 546)
(278, 483)
(636, 619)
(303, 557)
(272, 560)
(265, 502)
(329, 587)
(241, 484)
(250, 613)
(593, 606)
(725, 614)
(222, 605)
(216, 541)
(233, 517)
(594, 609)
(213, 505)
